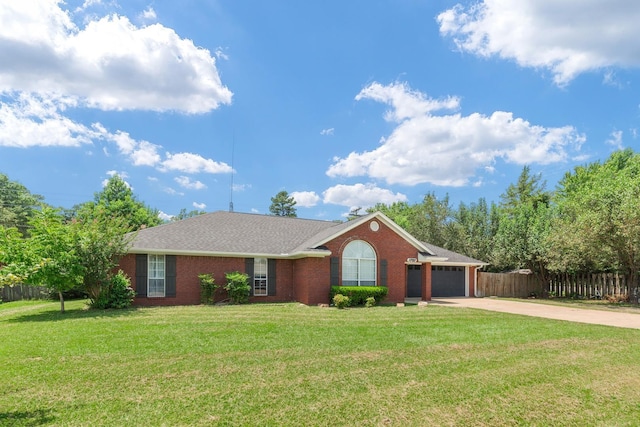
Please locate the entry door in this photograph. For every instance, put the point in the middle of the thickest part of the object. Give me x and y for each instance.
(414, 281)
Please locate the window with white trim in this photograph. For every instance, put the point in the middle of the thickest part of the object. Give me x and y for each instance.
(260, 277)
(156, 276)
(358, 264)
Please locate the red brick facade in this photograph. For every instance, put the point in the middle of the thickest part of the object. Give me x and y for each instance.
(306, 280)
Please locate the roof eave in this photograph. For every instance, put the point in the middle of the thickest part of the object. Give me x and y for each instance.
(295, 255)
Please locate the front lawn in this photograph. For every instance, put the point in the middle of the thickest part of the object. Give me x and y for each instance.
(288, 364)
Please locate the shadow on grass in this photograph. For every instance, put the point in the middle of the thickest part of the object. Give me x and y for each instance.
(26, 418)
(70, 314)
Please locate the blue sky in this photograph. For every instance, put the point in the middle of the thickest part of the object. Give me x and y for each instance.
(341, 103)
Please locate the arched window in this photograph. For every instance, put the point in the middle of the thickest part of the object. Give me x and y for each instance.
(358, 264)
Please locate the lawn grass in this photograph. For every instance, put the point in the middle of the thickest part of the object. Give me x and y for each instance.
(288, 364)
(588, 304)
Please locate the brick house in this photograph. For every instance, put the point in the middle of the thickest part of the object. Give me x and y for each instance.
(291, 259)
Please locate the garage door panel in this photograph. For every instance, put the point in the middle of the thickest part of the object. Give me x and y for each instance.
(447, 283)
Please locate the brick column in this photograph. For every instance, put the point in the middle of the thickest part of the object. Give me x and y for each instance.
(426, 281)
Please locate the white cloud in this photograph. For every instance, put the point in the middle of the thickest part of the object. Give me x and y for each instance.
(148, 15)
(329, 131)
(193, 163)
(172, 191)
(200, 206)
(220, 53)
(186, 182)
(305, 199)
(566, 37)
(448, 149)
(360, 195)
(615, 139)
(109, 64)
(165, 217)
(240, 187)
(35, 121)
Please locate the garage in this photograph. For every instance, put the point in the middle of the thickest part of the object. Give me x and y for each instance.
(447, 281)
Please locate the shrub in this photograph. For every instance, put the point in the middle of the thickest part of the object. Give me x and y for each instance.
(341, 301)
(117, 294)
(207, 288)
(359, 294)
(370, 302)
(238, 287)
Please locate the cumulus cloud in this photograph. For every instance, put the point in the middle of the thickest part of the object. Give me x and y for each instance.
(447, 149)
(329, 131)
(186, 182)
(193, 163)
(360, 195)
(164, 216)
(110, 64)
(565, 37)
(305, 199)
(200, 206)
(36, 121)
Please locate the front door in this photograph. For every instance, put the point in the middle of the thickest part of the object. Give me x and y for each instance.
(414, 281)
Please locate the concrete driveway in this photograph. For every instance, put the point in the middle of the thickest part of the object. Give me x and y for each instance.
(597, 317)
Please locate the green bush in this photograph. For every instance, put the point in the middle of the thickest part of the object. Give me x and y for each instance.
(370, 302)
(118, 293)
(359, 294)
(341, 301)
(238, 287)
(207, 288)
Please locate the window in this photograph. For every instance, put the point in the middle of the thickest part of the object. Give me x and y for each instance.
(156, 276)
(260, 277)
(358, 264)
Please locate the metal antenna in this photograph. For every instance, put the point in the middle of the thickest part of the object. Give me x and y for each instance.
(233, 147)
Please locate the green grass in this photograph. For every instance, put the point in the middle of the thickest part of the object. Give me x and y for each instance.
(589, 304)
(288, 364)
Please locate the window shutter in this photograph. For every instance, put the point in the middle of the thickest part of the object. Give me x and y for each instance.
(335, 271)
(141, 275)
(383, 272)
(248, 269)
(271, 277)
(170, 275)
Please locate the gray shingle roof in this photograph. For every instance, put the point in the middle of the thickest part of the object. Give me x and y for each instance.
(232, 233)
(239, 234)
(452, 257)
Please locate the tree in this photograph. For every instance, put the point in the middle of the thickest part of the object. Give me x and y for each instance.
(283, 205)
(98, 244)
(52, 261)
(597, 223)
(521, 237)
(478, 223)
(184, 214)
(17, 204)
(117, 200)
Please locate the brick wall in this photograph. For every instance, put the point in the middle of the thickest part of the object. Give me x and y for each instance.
(388, 246)
(188, 285)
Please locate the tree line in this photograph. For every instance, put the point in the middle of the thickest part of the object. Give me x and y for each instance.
(589, 223)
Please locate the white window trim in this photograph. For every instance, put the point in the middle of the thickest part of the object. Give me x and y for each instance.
(264, 277)
(164, 277)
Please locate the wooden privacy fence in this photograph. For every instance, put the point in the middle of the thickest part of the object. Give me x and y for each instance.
(20, 292)
(512, 285)
(587, 285)
(592, 285)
